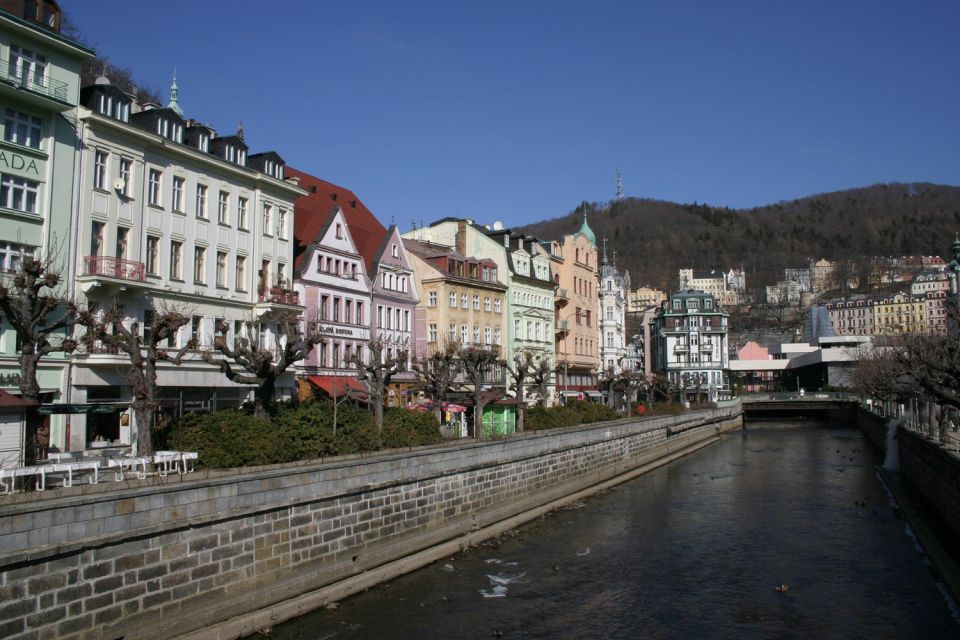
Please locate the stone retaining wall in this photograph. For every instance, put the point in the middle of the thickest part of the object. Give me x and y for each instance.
(930, 470)
(161, 560)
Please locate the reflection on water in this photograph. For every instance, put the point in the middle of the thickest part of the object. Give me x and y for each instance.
(696, 549)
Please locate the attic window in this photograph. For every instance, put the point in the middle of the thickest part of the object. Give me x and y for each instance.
(394, 251)
(353, 204)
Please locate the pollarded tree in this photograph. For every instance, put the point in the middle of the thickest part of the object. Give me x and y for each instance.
(375, 372)
(245, 360)
(524, 367)
(437, 372)
(33, 302)
(478, 365)
(145, 351)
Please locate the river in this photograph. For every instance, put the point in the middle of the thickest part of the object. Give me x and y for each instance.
(695, 549)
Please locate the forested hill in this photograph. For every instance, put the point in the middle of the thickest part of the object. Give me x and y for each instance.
(653, 239)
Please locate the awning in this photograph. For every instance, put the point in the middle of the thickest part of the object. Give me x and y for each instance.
(88, 407)
(337, 386)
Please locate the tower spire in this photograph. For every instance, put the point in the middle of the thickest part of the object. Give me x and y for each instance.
(604, 250)
(174, 96)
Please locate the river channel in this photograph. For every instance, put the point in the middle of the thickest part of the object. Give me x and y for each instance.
(695, 549)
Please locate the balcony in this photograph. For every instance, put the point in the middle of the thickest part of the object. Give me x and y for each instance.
(43, 86)
(560, 298)
(563, 327)
(278, 295)
(110, 267)
(681, 348)
(276, 299)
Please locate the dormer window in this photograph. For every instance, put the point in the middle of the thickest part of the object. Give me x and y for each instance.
(169, 130)
(230, 153)
(203, 143)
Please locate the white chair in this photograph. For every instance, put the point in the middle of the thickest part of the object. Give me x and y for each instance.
(138, 465)
(177, 461)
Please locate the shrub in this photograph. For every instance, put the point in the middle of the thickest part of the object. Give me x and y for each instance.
(405, 428)
(228, 439)
(571, 414)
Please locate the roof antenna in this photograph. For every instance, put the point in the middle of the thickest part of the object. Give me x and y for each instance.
(619, 192)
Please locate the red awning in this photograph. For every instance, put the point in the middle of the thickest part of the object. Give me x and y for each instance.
(338, 386)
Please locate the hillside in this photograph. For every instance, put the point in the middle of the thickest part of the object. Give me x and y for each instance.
(653, 239)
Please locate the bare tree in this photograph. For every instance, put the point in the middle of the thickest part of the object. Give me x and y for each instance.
(376, 372)
(478, 364)
(145, 351)
(246, 361)
(522, 368)
(437, 372)
(542, 376)
(33, 303)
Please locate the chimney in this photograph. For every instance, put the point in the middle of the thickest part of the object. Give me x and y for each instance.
(460, 240)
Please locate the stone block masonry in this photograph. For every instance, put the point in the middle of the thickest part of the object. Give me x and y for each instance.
(167, 560)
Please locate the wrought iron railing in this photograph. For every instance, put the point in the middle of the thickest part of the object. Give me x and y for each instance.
(43, 85)
(278, 295)
(114, 268)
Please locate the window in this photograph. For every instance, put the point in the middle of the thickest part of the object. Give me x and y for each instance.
(122, 234)
(29, 67)
(153, 190)
(394, 251)
(339, 231)
(125, 174)
(241, 273)
(96, 239)
(496, 336)
(360, 319)
(178, 184)
(433, 333)
(202, 201)
(242, 213)
(100, 169)
(347, 310)
(486, 303)
(432, 299)
(380, 316)
(22, 128)
(176, 260)
(476, 334)
(153, 249)
(487, 335)
(195, 323)
(496, 307)
(221, 268)
(464, 335)
(476, 303)
(18, 194)
(336, 309)
(516, 329)
(282, 224)
(609, 339)
(267, 220)
(199, 264)
(453, 300)
(223, 208)
(453, 333)
(463, 301)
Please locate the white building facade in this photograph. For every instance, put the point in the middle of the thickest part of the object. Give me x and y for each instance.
(171, 216)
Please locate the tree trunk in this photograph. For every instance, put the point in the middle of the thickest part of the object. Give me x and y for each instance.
(378, 417)
(521, 412)
(30, 390)
(143, 417)
(263, 397)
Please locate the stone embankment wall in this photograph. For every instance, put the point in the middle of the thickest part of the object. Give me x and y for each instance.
(219, 554)
(929, 469)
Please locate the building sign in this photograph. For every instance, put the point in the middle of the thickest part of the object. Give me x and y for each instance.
(20, 164)
(346, 332)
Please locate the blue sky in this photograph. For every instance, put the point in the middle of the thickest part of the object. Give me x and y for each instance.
(517, 111)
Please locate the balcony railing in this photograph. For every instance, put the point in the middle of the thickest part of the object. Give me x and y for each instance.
(114, 268)
(44, 85)
(278, 295)
(563, 326)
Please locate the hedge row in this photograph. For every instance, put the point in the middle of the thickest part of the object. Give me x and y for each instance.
(297, 431)
(568, 415)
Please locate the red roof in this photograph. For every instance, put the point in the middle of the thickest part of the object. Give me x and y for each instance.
(310, 214)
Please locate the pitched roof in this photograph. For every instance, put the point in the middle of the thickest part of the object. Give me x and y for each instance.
(311, 211)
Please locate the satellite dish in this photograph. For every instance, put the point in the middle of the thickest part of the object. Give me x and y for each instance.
(119, 184)
(497, 226)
